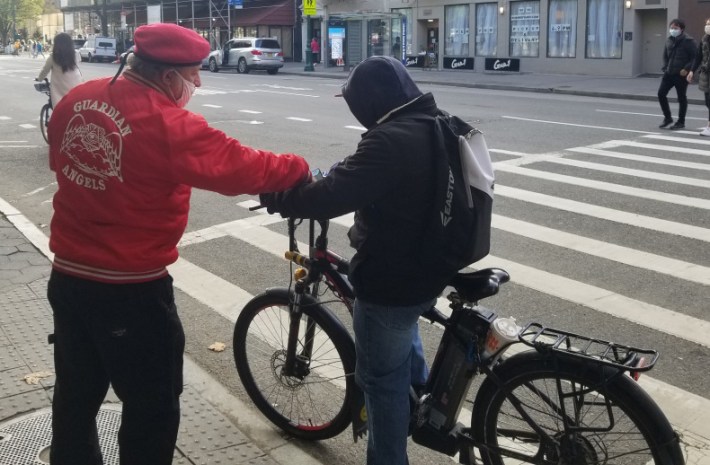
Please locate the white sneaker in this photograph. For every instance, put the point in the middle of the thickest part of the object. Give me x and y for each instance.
(705, 132)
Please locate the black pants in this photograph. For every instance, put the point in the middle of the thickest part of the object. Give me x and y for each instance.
(126, 335)
(681, 86)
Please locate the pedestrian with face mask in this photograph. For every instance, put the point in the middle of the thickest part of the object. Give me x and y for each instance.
(678, 56)
(126, 154)
(702, 64)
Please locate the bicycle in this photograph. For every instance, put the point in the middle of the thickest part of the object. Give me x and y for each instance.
(46, 110)
(567, 399)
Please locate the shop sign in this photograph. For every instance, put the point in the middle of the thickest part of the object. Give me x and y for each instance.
(502, 64)
(458, 63)
(414, 61)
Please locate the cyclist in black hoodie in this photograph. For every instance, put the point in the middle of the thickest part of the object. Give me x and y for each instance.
(389, 182)
(678, 58)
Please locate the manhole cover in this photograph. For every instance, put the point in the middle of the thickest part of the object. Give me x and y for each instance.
(25, 440)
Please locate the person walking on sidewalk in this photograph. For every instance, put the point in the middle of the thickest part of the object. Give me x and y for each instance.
(702, 63)
(678, 56)
(63, 66)
(126, 154)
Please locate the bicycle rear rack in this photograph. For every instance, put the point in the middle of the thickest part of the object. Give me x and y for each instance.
(598, 351)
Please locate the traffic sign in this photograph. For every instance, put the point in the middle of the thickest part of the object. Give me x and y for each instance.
(309, 7)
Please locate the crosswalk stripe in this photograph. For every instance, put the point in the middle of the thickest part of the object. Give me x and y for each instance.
(665, 148)
(628, 256)
(605, 213)
(641, 158)
(696, 140)
(607, 186)
(632, 172)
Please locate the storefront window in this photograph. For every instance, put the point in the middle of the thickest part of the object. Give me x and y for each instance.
(377, 38)
(562, 35)
(402, 28)
(525, 29)
(604, 28)
(456, 31)
(486, 29)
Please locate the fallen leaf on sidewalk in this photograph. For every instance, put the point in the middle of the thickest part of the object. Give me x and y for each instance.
(217, 347)
(33, 378)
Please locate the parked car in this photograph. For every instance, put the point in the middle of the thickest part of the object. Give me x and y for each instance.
(98, 49)
(78, 43)
(248, 53)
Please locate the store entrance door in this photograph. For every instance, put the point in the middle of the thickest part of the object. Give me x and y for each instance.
(654, 31)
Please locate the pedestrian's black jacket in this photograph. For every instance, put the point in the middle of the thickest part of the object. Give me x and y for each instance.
(387, 182)
(679, 53)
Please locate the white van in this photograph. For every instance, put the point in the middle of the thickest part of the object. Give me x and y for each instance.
(98, 49)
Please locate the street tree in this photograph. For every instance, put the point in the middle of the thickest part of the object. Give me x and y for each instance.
(14, 12)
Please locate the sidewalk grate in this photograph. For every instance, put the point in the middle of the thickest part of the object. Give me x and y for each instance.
(25, 440)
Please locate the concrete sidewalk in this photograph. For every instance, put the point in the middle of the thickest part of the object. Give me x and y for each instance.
(215, 427)
(636, 88)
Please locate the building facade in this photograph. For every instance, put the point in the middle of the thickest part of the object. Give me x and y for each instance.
(589, 37)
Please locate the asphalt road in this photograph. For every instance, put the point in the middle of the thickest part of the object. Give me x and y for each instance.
(601, 218)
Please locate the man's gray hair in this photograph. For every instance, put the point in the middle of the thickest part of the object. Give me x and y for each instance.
(146, 69)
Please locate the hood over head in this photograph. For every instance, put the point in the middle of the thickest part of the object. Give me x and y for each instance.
(377, 86)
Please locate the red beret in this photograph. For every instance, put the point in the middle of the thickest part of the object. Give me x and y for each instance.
(170, 44)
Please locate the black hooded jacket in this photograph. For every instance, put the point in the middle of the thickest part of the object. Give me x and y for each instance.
(387, 182)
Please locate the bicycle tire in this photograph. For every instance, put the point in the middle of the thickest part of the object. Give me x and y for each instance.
(44, 115)
(316, 407)
(638, 434)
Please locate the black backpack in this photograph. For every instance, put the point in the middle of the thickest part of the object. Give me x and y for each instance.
(459, 231)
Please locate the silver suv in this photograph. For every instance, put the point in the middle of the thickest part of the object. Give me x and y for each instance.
(247, 53)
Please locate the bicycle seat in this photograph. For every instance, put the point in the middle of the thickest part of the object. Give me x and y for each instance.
(479, 284)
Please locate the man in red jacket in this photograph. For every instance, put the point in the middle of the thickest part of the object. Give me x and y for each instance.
(126, 154)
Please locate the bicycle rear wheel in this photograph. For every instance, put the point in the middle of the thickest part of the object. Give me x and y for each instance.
(44, 120)
(314, 405)
(521, 417)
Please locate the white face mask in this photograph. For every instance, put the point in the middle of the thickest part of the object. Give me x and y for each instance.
(707, 29)
(188, 88)
(675, 32)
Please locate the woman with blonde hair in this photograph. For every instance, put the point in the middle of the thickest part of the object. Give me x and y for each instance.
(62, 63)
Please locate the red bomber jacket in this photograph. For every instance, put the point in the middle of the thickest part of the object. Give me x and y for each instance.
(126, 157)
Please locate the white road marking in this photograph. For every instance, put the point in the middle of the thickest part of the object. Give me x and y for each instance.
(608, 251)
(633, 172)
(609, 187)
(357, 128)
(641, 158)
(296, 118)
(697, 140)
(27, 126)
(587, 126)
(209, 105)
(4, 118)
(655, 115)
(604, 213)
(251, 112)
(664, 148)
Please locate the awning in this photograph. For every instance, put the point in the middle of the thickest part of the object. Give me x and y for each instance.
(272, 15)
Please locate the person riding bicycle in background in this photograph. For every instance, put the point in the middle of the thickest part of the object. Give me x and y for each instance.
(389, 182)
(126, 154)
(62, 63)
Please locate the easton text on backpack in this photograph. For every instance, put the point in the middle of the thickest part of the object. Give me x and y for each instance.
(460, 228)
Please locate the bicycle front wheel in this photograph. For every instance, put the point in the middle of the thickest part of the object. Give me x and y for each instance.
(563, 410)
(44, 120)
(315, 404)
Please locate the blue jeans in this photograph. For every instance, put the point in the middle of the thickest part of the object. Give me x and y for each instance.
(390, 358)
